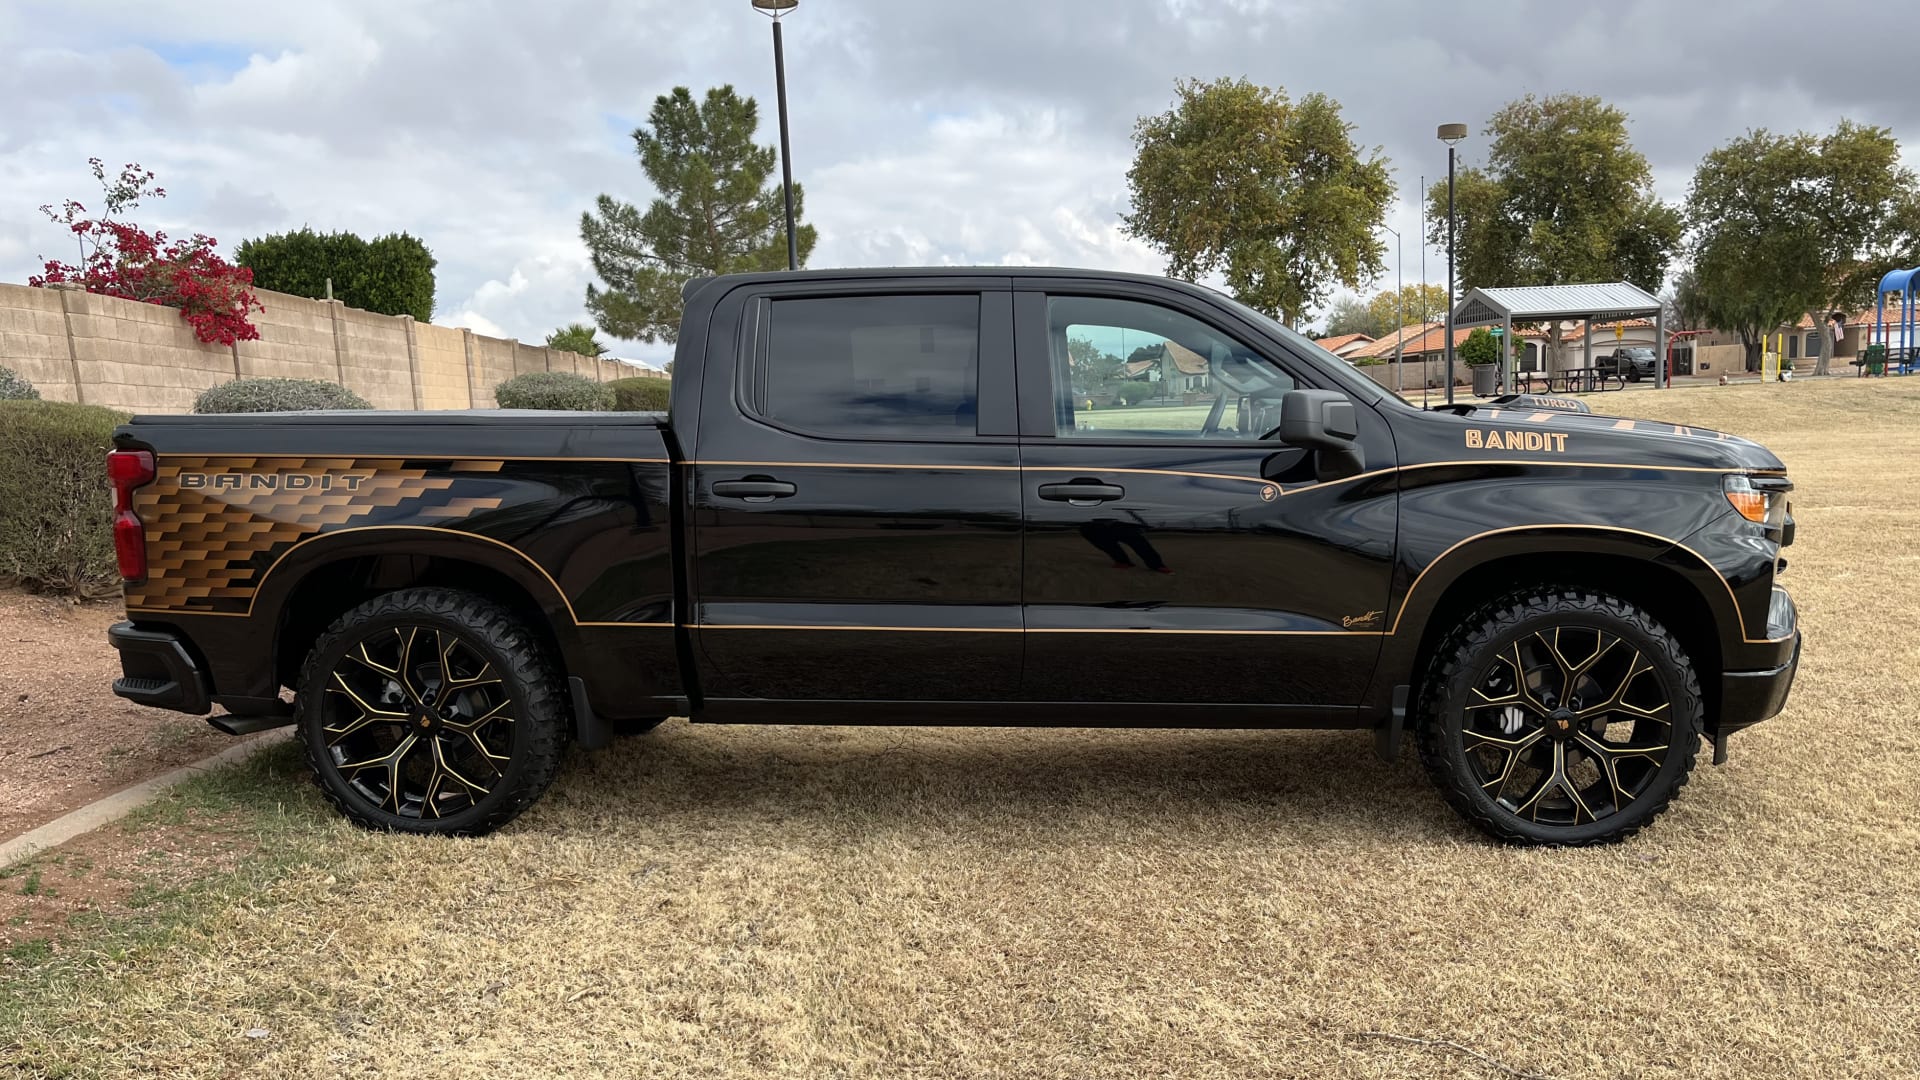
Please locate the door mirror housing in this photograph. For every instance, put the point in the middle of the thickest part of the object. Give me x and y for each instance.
(1323, 421)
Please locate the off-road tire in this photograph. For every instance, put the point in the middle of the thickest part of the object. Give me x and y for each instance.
(1469, 653)
(541, 715)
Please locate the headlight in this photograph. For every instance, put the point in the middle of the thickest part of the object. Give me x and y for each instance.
(1761, 500)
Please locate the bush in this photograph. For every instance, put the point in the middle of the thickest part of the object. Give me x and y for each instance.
(15, 388)
(276, 395)
(1133, 393)
(640, 394)
(56, 514)
(392, 275)
(1480, 349)
(553, 390)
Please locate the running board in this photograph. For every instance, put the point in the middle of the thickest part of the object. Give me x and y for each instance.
(247, 725)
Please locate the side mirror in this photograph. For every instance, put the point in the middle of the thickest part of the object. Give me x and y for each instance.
(1323, 421)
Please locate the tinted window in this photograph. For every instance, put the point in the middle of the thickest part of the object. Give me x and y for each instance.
(1132, 370)
(872, 365)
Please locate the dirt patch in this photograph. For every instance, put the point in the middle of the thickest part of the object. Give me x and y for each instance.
(65, 740)
(116, 871)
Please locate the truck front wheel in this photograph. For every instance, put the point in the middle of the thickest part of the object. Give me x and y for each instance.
(1559, 716)
(431, 711)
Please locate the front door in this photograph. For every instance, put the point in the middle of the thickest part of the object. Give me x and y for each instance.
(1175, 551)
(854, 496)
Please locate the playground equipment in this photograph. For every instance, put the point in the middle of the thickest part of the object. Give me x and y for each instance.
(1902, 284)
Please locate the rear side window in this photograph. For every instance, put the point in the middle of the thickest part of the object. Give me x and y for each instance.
(871, 365)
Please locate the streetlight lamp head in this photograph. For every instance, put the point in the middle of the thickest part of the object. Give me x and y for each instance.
(1449, 133)
(775, 8)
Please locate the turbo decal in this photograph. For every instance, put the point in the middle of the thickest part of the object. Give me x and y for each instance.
(215, 525)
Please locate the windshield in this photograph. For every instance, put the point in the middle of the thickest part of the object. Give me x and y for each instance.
(1639, 354)
(1334, 366)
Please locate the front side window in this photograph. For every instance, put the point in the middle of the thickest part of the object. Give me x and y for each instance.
(872, 365)
(1128, 369)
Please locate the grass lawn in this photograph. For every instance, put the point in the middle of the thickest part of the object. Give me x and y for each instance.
(818, 902)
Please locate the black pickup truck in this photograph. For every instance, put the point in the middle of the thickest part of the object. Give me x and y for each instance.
(877, 498)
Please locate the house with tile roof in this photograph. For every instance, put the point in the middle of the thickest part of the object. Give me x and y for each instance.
(1346, 346)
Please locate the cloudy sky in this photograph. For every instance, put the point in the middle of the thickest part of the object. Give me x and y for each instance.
(967, 131)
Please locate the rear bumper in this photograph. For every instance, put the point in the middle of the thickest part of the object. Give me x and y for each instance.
(158, 670)
(1748, 697)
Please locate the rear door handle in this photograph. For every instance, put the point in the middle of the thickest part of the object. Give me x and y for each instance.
(1082, 492)
(754, 489)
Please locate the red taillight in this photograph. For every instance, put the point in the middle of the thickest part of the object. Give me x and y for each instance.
(128, 470)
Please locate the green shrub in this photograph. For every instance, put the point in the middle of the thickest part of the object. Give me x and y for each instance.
(56, 514)
(553, 390)
(392, 275)
(640, 394)
(276, 395)
(1133, 393)
(14, 387)
(1369, 361)
(1480, 349)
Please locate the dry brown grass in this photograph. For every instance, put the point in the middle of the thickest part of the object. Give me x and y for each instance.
(823, 902)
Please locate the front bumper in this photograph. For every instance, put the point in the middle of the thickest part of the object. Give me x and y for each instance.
(1748, 697)
(158, 670)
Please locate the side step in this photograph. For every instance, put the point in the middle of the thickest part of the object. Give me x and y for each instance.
(247, 725)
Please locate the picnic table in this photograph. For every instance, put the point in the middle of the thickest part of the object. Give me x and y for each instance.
(1880, 360)
(1573, 380)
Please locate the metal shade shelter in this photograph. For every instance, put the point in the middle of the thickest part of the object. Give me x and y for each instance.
(1901, 282)
(1549, 303)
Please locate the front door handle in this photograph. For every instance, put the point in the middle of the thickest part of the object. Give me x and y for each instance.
(754, 489)
(1082, 492)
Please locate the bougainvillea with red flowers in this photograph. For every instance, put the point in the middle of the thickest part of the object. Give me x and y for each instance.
(119, 258)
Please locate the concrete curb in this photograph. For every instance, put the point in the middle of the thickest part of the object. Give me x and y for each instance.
(119, 804)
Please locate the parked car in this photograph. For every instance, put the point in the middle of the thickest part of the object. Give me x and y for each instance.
(1631, 362)
(875, 499)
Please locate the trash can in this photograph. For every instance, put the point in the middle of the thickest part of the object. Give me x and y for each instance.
(1484, 377)
(1876, 359)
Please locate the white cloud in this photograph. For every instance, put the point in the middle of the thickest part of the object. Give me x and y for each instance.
(993, 132)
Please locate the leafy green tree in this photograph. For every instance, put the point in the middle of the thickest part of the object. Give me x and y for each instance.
(1092, 368)
(1416, 303)
(392, 274)
(1272, 194)
(1352, 315)
(1564, 198)
(1791, 224)
(715, 214)
(577, 338)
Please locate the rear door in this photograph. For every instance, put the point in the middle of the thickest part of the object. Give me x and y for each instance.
(854, 494)
(1176, 552)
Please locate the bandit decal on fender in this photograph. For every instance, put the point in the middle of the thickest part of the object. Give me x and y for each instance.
(1552, 442)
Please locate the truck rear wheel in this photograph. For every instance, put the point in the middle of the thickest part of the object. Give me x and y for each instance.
(1557, 716)
(431, 711)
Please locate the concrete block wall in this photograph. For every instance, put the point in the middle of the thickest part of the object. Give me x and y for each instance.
(492, 365)
(296, 340)
(140, 357)
(378, 364)
(441, 355)
(33, 340)
(145, 358)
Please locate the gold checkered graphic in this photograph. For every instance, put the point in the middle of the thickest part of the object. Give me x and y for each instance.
(208, 546)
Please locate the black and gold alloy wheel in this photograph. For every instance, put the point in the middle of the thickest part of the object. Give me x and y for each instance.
(431, 710)
(1560, 717)
(1568, 725)
(418, 722)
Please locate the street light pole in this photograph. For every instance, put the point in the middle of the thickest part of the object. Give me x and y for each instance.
(1450, 134)
(1400, 305)
(773, 9)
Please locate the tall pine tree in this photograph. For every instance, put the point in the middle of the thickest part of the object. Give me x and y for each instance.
(715, 214)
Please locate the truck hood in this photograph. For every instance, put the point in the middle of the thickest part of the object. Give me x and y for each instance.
(1545, 434)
